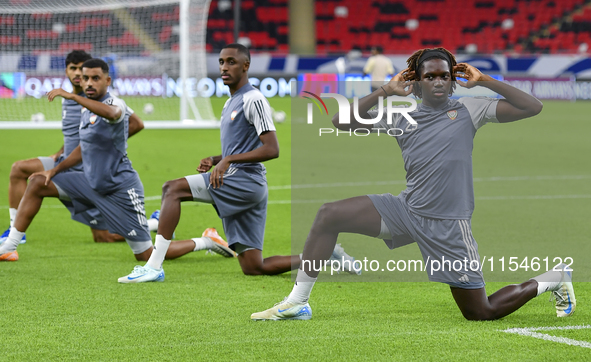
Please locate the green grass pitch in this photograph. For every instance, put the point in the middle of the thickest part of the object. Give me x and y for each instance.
(61, 301)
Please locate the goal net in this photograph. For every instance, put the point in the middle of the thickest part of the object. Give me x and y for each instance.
(155, 48)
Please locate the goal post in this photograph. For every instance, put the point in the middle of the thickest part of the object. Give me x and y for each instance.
(156, 50)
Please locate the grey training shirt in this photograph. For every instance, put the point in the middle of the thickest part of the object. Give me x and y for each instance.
(245, 116)
(104, 148)
(437, 155)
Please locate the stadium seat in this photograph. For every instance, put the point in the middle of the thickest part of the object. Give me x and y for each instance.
(538, 26)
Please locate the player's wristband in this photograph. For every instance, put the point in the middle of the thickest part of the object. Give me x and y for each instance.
(386, 93)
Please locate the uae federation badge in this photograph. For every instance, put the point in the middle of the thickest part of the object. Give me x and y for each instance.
(233, 115)
(452, 114)
(93, 119)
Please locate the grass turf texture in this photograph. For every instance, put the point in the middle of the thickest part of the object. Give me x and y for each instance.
(61, 301)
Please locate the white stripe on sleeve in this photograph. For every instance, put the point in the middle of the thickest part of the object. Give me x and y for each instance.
(258, 111)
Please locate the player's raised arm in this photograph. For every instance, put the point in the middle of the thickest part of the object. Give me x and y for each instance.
(516, 105)
(110, 112)
(396, 86)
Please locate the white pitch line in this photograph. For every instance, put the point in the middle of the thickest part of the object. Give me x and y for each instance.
(585, 326)
(530, 332)
(534, 197)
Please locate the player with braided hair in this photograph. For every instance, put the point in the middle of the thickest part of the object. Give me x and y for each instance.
(414, 65)
(436, 207)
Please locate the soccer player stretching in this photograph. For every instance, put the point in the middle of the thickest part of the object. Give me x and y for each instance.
(71, 112)
(237, 186)
(435, 209)
(107, 181)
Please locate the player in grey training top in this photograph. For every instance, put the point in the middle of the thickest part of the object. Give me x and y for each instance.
(435, 209)
(71, 112)
(237, 186)
(107, 182)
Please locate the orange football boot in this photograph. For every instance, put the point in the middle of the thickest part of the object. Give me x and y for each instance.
(10, 256)
(220, 246)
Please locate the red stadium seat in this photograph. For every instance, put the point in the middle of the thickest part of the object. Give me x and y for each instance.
(365, 24)
(10, 40)
(41, 34)
(127, 39)
(7, 20)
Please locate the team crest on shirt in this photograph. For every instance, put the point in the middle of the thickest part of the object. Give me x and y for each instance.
(92, 119)
(452, 114)
(233, 115)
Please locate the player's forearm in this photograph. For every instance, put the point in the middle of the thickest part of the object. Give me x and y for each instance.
(135, 124)
(59, 152)
(364, 105)
(100, 109)
(264, 153)
(216, 159)
(516, 97)
(72, 160)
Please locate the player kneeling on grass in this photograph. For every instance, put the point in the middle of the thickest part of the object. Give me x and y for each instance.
(107, 181)
(22, 170)
(435, 209)
(237, 186)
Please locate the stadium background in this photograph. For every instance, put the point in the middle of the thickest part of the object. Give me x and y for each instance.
(61, 300)
(521, 40)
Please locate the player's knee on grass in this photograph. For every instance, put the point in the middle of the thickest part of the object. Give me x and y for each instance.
(104, 236)
(252, 271)
(473, 304)
(480, 315)
(253, 268)
(251, 262)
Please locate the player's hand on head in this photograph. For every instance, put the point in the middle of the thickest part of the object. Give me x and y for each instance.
(58, 92)
(205, 164)
(400, 84)
(468, 72)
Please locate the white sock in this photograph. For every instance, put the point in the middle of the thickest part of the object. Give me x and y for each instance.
(14, 238)
(203, 243)
(153, 224)
(549, 281)
(160, 248)
(302, 288)
(12, 213)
